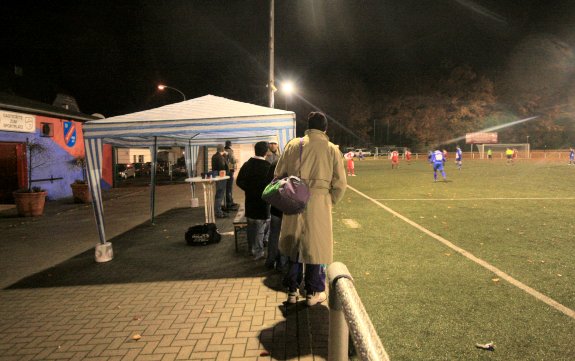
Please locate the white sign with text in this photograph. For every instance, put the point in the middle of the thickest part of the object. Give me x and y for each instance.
(17, 122)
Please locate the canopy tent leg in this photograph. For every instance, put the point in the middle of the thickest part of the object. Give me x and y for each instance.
(154, 152)
(191, 155)
(93, 149)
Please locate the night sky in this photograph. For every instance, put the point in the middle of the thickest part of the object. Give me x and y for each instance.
(110, 55)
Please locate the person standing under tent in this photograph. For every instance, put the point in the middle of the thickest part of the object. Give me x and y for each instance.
(230, 205)
(395, 159)
(571, 156)
(273, 154)
(219, 163)
(307, 238)
(437, 162)
(360, 155)
(489, 154)
(350, 165)
(253, 179)
(458, 157)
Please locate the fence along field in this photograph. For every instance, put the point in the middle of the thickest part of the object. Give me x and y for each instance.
(430, 302)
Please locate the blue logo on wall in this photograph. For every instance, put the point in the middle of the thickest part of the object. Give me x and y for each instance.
(69, 133)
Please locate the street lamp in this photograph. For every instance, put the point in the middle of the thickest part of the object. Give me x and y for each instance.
(287, 88)
(162, 87)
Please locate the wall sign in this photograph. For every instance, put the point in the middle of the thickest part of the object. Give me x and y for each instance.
(17, 122)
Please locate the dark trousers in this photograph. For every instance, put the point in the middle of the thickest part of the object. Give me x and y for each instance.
(314, 277)
(219, 198)
(230, 189)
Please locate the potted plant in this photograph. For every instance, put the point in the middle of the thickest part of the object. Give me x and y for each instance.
(30, 201)
(80, 189)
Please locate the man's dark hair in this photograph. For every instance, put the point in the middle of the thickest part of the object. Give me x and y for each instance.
(317, 120)
(261, 148)
(228, 143)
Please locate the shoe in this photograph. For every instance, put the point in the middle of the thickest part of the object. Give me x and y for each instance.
(292, 297)
(315, 298)
(257, 257)
(353, 175)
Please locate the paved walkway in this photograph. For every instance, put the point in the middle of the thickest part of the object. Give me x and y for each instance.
(157, 300)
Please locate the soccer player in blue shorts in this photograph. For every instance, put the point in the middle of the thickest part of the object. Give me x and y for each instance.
(437, 161)
(458, 157)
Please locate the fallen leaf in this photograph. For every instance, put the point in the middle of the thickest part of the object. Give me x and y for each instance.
(447, 254)
(486, 346)
(559, 275)
(495, 279)
(136, 318)
(367, 273)
(136, 337)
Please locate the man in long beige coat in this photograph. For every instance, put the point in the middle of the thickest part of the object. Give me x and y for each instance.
(307, 237)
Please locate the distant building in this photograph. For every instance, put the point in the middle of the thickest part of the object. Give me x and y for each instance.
(59, 131)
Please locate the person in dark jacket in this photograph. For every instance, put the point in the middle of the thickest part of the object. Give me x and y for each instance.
(275, 259)
(232, 161)
(252, 179)
(219, 163)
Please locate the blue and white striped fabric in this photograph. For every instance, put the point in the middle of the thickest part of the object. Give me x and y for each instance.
(208, 120)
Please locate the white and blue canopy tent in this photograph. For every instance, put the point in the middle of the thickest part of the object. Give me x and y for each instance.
(207, 120)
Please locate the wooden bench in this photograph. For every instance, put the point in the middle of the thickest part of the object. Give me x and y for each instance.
(240, 224)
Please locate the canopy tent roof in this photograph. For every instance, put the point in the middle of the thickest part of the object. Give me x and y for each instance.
(207, 120)
(200, 121)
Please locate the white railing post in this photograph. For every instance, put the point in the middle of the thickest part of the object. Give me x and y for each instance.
(344, 299)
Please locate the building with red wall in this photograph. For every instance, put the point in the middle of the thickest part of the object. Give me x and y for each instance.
(59, 133)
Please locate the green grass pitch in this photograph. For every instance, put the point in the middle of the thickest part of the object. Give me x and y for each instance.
(427, 301)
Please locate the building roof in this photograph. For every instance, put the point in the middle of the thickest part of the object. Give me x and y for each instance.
(18, 104)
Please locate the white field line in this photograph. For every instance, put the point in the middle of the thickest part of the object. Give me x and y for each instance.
(538, 295)
(472, 199)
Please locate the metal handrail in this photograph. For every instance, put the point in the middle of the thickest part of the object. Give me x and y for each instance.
(347, 313)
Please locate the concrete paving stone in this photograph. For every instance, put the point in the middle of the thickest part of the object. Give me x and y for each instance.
(149, 348)
(238, 350)
(116, 352)
(203, 356)
(79, 356)
(166, 340)
(199, 336)
(131, 355)
(233, 341)
(201, 345)
(185, 353)
(208, 330)
(155, 357)
(217, 338)
(223, 356)
(217, 348)
(248, 334)
(167, 349)
(169, 357)
(253, 343)
(183, 343)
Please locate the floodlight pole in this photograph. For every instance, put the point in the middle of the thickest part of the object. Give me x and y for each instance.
(271, 87)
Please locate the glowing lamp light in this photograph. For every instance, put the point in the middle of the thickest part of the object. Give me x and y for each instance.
(288, 87)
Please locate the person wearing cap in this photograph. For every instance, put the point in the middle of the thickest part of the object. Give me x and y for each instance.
(219, 163)
(232, 161)
(273, 153)
(307, 238)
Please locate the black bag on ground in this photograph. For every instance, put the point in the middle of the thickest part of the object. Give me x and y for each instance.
(203, 234)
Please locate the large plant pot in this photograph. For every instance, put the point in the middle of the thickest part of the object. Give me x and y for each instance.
(81, 193)
(30, 204)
